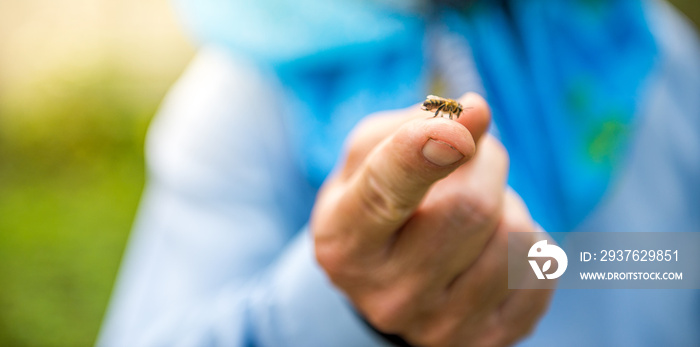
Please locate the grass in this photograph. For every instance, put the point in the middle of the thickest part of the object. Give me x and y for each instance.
(71, 173)
(61, 243)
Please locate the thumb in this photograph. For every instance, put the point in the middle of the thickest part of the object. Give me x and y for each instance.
(392, 180)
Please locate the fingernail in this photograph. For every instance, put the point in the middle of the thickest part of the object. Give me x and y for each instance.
(441, 153)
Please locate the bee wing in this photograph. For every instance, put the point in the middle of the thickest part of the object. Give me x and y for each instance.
(434, 97)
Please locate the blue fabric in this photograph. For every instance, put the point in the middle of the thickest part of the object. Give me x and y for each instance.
(562, 79)
(280, 31)
(341, 60)
(331, 95)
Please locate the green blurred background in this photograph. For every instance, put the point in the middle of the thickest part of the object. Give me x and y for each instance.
(79, 83)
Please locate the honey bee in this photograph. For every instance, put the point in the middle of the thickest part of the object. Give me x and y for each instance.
(446, 106)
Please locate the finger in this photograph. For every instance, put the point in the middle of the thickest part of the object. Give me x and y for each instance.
(373, 130)
(450, 228)
(408, 162)
(522, 309)
(393, 179)
(484, 285)
(475, 298)
(476, 115)
(481, 181)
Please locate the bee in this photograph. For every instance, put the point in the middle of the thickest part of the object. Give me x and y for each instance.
(446, 106)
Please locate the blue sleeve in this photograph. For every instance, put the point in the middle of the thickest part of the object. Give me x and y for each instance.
(216, 256)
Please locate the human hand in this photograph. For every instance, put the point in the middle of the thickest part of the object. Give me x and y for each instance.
(413, 228)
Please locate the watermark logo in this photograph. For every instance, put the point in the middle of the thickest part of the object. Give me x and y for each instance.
(542, 250)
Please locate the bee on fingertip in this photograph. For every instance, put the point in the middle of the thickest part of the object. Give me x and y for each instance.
(443, 106)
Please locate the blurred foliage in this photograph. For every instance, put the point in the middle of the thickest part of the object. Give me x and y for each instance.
(71, 173)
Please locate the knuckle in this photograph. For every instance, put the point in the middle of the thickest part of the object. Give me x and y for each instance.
(516, 218)
(514, 224)
(440, 335)
(331, 259)
(481, 207)
(497, 151)
(389, 314)
(343, 267)
(502, 154)
(397, 309)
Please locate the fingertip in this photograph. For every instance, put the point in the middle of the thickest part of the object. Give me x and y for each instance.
(476, 115)
(421, 152)
(446, 132)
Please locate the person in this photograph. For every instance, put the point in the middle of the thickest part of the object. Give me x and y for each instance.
(257, 227)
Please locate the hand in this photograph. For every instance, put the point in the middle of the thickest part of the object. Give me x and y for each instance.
(413, 228)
